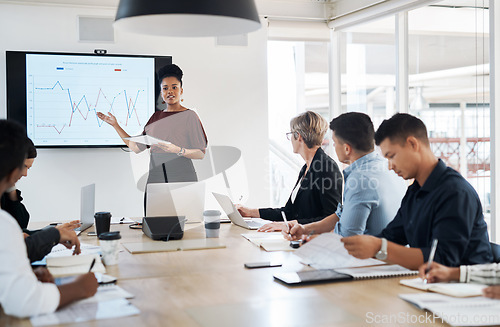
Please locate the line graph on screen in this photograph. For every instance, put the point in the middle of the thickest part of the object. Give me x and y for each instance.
(65, 93)
(68, 108)
(86, 108)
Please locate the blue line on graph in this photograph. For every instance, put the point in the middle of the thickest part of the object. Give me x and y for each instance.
(84, 97)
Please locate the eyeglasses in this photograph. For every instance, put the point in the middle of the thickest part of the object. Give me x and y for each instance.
(289, 135)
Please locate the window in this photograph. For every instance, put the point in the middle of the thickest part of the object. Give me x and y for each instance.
(298, 81)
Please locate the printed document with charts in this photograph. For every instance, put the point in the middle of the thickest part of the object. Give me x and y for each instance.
(327, 252)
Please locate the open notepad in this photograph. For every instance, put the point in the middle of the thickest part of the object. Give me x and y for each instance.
(451, 289)
(61, 266)
(273, 241)
(470, 311)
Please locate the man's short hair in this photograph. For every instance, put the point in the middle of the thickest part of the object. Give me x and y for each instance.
(13, 147)
(355, 129)
(399, 127)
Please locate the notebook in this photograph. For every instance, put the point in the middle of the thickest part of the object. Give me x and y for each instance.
(470, 311)
(451, 289)
(336, 275)
(272, 241)
(74, 265)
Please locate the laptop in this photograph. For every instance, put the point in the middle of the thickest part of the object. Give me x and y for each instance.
(87, 208)
(176, 199)
(234, 215)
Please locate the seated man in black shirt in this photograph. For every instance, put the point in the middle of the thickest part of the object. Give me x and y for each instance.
(440, 204)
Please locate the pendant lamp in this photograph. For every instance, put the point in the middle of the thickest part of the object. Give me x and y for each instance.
(187, 18)
(419, 102)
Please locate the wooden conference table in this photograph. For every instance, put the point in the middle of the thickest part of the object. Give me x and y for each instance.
(212, 288)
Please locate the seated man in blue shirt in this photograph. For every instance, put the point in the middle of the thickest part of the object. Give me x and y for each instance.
(440, 204)
(372, 193)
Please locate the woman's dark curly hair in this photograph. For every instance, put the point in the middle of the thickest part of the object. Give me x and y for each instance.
(170, 71)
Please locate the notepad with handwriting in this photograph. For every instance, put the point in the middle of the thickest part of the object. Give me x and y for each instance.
(451, 289)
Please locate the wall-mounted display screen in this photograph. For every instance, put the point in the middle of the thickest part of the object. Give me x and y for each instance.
(57, 95)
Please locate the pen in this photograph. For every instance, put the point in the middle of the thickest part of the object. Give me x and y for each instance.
(308, 235)
(431, 257)
(92, 265)
(286, 223)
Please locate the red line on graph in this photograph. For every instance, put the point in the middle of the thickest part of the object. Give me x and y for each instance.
(58, 131)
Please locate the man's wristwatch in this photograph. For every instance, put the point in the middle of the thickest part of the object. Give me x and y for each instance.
(382, 253)
(181, 152)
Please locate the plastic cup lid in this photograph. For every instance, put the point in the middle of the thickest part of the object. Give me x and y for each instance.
(110, 236)
(211, 213)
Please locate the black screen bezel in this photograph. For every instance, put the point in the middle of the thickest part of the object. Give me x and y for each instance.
(16, 86)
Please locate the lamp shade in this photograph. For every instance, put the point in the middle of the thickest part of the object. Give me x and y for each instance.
(195, 18)
(419, 102)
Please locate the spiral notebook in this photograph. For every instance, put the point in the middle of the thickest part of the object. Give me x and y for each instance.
(337, 275)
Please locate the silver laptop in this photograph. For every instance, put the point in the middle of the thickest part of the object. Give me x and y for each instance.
(234, 215)
(87, 208)
(176, 199)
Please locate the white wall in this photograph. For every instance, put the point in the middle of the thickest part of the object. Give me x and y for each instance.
(227, 85)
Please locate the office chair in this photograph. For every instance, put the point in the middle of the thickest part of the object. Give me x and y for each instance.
(495, 249)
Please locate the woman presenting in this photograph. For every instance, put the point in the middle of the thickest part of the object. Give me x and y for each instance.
(318, 189)
(179, 127)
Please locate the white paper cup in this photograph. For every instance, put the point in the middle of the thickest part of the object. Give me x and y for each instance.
(212, 223)
(110, 247)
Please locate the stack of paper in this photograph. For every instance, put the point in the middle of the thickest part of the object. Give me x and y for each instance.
(61, 251)
(60, 266)
(451, 289)
(110, 301)
(327, 252)
(474, 311)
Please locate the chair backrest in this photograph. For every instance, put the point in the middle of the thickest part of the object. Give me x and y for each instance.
(495, 249)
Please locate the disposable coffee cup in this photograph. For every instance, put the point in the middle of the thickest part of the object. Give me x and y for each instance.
(212, 223)
(102, 222)
(109, 247)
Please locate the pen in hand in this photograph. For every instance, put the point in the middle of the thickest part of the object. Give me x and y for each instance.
(431, 257)
(92, 265)
(286, 223)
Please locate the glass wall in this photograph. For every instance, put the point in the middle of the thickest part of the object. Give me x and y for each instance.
(368, 66)
(449, 86)
(298, 81)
